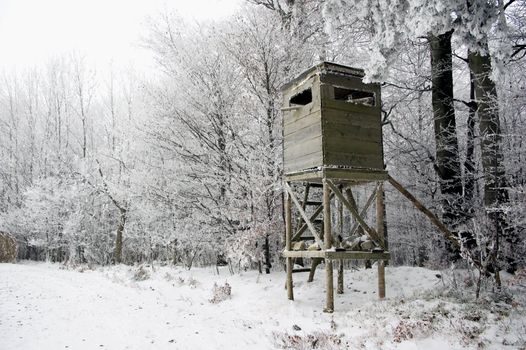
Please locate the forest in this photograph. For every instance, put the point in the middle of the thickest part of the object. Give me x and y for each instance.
(183, 165)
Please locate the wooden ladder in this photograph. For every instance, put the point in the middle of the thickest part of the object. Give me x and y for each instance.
(301, 228)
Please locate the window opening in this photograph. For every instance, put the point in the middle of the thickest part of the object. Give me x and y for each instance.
(302, 99)
(354, 96)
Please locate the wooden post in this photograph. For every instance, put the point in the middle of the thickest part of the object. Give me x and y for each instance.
(328, 245)
(381, 279)
(339, 288)
(380, 211)
(380, 231)
(288, 236)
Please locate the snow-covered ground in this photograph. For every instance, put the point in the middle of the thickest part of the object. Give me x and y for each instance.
(46, 306)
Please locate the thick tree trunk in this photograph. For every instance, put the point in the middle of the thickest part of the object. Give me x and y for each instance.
(490, 131)
(469, 164)
(447, 154)
(495, 184)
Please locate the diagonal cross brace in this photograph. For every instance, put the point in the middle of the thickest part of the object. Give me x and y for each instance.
(303, 227)
(371, 232)
(303, 204)
(434, 219)
(364, 209)
(304, 216)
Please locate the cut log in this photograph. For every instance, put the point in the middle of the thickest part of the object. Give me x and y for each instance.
(298, 246)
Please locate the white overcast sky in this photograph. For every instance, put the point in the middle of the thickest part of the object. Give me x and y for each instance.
(32, 31)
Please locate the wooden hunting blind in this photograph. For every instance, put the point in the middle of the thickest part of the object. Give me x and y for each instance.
(332, 144)
(332, 119)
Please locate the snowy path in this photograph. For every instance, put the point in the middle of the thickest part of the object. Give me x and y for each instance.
(45, 307)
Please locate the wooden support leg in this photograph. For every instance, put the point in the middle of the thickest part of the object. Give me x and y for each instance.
(288, 236)
(290, 293)
(381, 279)
(313, 266)
(380, 230)
(380, 207)
(328, 245)
(330, 287)
(339, 290)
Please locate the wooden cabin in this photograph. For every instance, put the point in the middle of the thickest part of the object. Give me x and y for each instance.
(332, 119)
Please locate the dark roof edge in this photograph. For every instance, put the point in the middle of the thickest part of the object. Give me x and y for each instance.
(326, 67)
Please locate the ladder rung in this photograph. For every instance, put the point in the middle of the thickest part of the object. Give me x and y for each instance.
(305, 269)
(313, 184)
(308, 238)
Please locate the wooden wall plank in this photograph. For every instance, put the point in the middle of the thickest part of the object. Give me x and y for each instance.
(303, 135)
(353, 160)
(345, 144)
(304, 147)
(295, 164)
(350, 107)
(352, 132)
(292, 126)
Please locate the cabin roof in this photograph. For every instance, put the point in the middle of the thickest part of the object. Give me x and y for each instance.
(324, 68)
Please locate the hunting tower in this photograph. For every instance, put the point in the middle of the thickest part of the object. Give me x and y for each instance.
(332, 141)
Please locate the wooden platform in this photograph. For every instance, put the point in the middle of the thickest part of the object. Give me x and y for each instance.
(334, 181)
(316, 175)
(336, 255)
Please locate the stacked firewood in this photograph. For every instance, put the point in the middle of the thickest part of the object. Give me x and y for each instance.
(8, 248)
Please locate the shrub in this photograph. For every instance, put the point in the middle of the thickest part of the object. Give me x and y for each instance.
(192, 282)
(406, 329)
(317, 340)
(221, 293)
(141, 274)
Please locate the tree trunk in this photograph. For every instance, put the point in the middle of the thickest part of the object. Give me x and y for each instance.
(490, 132)
(118, 239)
(267, 255)
(447, 163)
(469, 164)
(495, 184)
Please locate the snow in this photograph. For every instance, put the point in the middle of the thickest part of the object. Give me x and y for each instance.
(46, 306)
